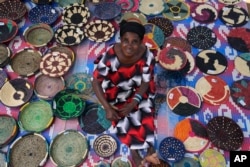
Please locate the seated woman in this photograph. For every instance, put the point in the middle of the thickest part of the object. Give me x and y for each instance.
(123, 81)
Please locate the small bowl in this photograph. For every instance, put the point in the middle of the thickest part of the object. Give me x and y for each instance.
(43, 14)
(8, 30)
(12, 9)
(38, 35)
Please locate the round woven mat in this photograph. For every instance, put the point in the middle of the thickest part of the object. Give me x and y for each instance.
(211, 62)
(192, 133)
(76, 14)
(29, 150)
(172, 149)
(176, 10)
(240, 93)
(47, 87)
(178, 42)
(201, 37)
(16, 92)
(154, 36)
(38, 34)
(107, 10)
(204, 13)
(43, 14)
(213, 89)
(67, 104)
(212, 158)
(35, 116)
(188, 68)
(26, 62)
(225, 133)
(68, 148)
(135, 16)
(233, 16)
(151, 8)
(239, 39)
(8, 130)
(93, 120)
(164, 24)
(230, 2)
(99, 30)
(12, 9)
(8, 30)
(105, 145)
(80, 82)
(121, 161)
(242, 64)
(64, 49)
(5, 54)
(69, 35)
(55, 64)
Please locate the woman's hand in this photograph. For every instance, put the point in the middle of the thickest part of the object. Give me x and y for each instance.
(127, 108)
(112, 114)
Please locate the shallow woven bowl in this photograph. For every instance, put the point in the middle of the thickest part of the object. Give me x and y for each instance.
(38, 35)
(12, 9)
(8, 30)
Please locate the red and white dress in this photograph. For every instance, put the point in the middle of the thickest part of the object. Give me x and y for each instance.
(120, 83)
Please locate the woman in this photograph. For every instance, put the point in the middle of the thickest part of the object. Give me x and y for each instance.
(123, 81)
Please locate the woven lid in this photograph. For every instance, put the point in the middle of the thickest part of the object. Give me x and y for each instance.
(212, 158)
(99, 30)
(35, 116)
(5, 54)
(26, 62)
(67, 104)
(107, 10)
(16, 92)
(204, 13)
(3, 160)
(233, 16)
(76, 14)
(230, 2)
(8, 129)
(239, 39)
(42, 2)
(151, 7)
(38, 35)
(47, 87)
(55, 64)
(68, 148)
(178, 42)
(12, 9)
(172, 149)
(172, 58)
(64, 49)
(93, 120)
(187, 162)
(121, 161)
(43, 14)
(136, 16)
(176, 10)
(225, 133)
(65, 3)
(105, 145)
(3, 77)
(242, 64)
(154, 36)
(80, 82)
(211, 62)
(183, 100)
(240, 93)
(213, 89)
(164, 24)
(201, 37)
(28, 150)
(69, 35)
(192, 133)
(8, 30)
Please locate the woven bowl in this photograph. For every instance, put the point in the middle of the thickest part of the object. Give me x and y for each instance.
(5, 54)
(107, 10)
(8, 30)
(13, 10)
(68, 148)
(38, 35)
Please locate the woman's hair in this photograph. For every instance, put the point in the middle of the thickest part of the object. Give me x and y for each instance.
(132, 26)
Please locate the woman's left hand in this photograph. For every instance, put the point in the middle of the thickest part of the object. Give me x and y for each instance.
(127, 108)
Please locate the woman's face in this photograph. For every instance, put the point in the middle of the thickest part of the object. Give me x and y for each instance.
(130, 44)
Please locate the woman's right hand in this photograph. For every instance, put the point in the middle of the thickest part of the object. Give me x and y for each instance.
(111, 113)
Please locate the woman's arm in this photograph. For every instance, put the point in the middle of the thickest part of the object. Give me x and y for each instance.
(111, 113)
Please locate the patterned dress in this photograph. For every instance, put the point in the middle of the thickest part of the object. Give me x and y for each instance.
(120, 83)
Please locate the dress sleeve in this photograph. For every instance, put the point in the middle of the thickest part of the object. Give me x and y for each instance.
(148, 68)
